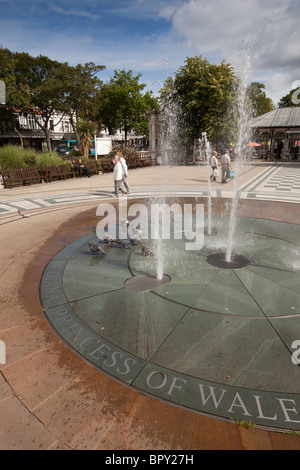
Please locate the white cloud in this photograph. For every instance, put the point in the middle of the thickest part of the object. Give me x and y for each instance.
(74, 11)
(216, 25)
(278, 84)
(223, 28)
(139, 34)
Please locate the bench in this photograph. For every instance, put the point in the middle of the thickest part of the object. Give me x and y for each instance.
(50, 173)
(93, 167)
(132, 163)
(20, 176)
(65, 171)
(146, 161)
(12, 178)
(107, 166)
(31, 174)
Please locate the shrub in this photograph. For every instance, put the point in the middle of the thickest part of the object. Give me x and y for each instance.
(127, 153)
(49, 158)
(30, 156)
(12, 156)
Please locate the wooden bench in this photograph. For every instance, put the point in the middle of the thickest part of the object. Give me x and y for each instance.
(107, 166)
(51, 173)
(65, 171)
(32, 174)
(20, 176)
(132, 163)
(145, 161)
(12, 178)
(93, 167)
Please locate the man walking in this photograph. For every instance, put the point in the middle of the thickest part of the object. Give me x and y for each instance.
(226, 166)
(125, 172)
(117, 175)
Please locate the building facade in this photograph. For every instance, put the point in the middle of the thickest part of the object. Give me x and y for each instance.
(27, 131)
(278, 132)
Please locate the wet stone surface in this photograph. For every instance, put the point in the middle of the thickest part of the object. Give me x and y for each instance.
(214, 340)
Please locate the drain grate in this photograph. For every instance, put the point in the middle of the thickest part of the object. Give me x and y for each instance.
(219, 261)
(146, 283)
(212, 232)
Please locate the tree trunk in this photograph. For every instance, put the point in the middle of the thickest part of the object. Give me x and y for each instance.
(48, 139)
(20, 137)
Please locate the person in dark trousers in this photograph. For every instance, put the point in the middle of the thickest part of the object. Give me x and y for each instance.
(226, 166)
(82, 169)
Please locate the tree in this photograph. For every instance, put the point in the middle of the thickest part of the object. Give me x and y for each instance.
(86, 130)
(141, 125)
(291, 99)
(82, 91)
(47, 85)
(35, 85)
(44, 87)
(205, 93)
(122, 105)
(17, 92)
(260, 103)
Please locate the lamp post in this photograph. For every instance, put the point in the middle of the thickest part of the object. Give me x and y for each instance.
(156, 81)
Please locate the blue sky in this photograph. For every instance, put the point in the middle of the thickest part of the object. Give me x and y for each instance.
(155, 37)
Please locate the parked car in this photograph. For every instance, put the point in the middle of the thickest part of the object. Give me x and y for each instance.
(65, 151)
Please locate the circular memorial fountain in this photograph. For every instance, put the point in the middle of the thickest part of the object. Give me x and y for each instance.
(212, 338)
(209, 322)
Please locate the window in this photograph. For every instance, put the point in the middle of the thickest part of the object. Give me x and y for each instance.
(31, 122)
(66, 126)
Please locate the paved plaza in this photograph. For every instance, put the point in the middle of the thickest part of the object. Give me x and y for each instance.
(91, 364)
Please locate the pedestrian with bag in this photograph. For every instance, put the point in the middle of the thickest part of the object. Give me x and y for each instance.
(214, 166)
(226, 166)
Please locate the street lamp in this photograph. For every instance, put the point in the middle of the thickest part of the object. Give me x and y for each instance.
(156, 81)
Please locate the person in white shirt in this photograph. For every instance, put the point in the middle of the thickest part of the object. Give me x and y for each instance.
(226, 166)
(125, 172)
(214, 165)
(117, 175)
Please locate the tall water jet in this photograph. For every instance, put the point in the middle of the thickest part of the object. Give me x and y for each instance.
(206, 153)
(243, 116)
(207, 150)
(170, 154)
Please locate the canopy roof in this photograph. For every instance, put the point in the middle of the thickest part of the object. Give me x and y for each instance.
(281, 117)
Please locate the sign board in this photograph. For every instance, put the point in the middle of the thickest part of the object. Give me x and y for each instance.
(103, 145)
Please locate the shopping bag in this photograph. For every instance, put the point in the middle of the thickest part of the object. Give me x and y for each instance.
(230, 174)
(215, 173)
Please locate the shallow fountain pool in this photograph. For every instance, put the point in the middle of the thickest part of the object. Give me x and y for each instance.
(216, 341)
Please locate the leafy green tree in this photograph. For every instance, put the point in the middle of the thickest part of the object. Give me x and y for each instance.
(260, 103)
(141, 125)
(17, 92)
(44, 87)
(291, 99)
(122, 104)
(205, 93)
(35, 85)
(47, 85)
(82, 90)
